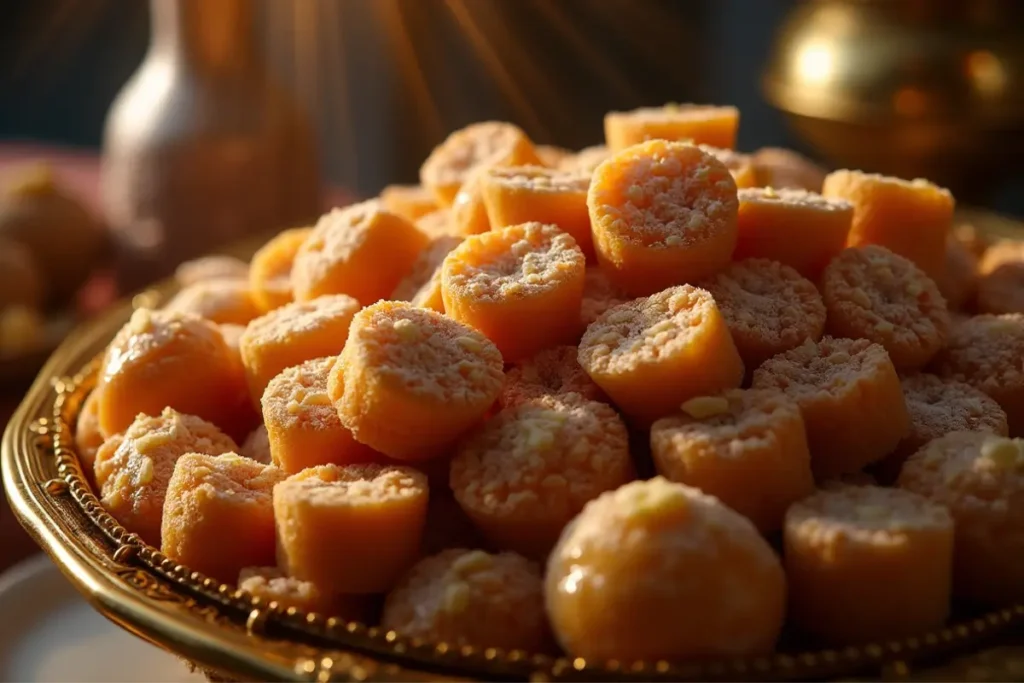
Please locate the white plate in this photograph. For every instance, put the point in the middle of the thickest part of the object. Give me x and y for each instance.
(50, 634)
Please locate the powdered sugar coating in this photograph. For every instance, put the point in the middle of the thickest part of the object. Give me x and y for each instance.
(526, 472)
(653, 549)
(217, 267)
(133, 470)
(939, 406)
(664, 195)
(295, 333)
(470, 597)
(361, 250)
(514, 262)
(599, 295)
(464, 150)
(218, 516)
(747, 447)
(769, 308)
(786, 169)
(219, 301)
(586, 160)
(539, 179)
(699, 123)
(979, 477)
(805, 199)
(426, 271)
(355, 485)
(553, 371)
(869, 515)
(425, 353)
(874, 294)
(270, 272)
(257, 445)
(167, 358)
(646, 330)
(841, 385)
(985, 351)
(741, 166)
(1001, 285)
(411, 202)
(297, 397)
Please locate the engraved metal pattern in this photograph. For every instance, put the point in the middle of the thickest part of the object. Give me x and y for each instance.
(312, 647)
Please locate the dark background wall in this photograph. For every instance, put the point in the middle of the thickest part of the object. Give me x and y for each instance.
(385, 80)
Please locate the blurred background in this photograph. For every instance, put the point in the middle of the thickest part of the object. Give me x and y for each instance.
(383, 81)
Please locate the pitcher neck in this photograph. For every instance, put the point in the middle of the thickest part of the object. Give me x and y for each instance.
(212, 35)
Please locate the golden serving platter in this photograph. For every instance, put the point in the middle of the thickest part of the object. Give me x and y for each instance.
(232, 635)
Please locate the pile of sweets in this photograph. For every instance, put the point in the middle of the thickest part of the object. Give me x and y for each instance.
(430, 410)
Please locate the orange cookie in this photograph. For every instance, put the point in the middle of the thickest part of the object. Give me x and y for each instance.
(257, 445)
(552, 372)
(468, 213)
(470, 597)
(985, 352)
(351, 529)
(959, 285)
(937, 407)
(872, 293)
(552, 155)
(411, 202)
(698, 123)
(165, 359)
(695, 579)
(133, 470)
(745, 447)
(909, 217)
(218, 516)
(270, 273)
(273, 585)
(302, 425)
(586, 160)
(979, 477)
(526, 472)
(516, 286)
(411, 381)
(799, 228)
(599, 294)
(437, 224)
(651, 354)
(524, 194)
(768, 307)
(216, 267)
(293, 334)
(219, 301)
(422, 285)
(741, 166)
(490, 143)
(1001, 281)
(786, 169)
(361, 250)
(868, 564)
(850, 397)
(662, 213)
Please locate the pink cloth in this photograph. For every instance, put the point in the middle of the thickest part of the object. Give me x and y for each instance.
(79, 170)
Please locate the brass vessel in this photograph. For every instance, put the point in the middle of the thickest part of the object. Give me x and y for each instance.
(914, 88)
(232, 635)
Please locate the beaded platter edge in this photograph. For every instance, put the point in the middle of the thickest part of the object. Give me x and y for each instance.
(269, 641)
